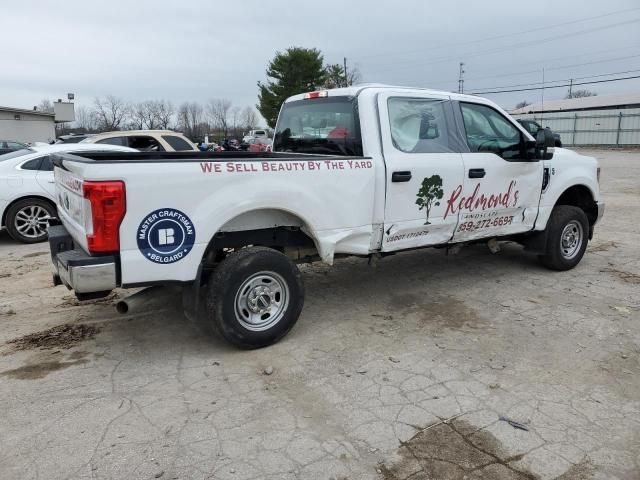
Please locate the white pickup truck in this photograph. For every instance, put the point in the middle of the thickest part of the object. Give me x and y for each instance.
(365, 170)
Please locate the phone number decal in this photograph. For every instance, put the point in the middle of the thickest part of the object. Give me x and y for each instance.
(480, 224)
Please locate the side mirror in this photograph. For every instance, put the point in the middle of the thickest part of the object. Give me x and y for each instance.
(545, 144)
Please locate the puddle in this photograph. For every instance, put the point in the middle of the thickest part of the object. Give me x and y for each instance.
(35, 254)
(40, 366)
(442, 312)
(602, 247)
(455, 450)
(626, 277)
(63, 336)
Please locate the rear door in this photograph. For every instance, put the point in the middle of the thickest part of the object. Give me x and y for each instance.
(45, 177)
(421, 148)
(501, 189)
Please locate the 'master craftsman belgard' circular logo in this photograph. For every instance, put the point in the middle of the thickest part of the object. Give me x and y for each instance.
(166, 236)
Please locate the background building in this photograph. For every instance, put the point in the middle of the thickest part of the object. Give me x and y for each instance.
(598, 120)
(29, 126)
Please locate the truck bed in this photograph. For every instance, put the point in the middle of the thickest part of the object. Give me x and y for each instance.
(167, 157)
(330, 198)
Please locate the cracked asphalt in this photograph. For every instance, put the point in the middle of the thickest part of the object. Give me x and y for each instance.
(426, 366)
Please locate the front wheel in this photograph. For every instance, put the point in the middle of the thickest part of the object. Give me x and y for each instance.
(254, 297)
(567, 236)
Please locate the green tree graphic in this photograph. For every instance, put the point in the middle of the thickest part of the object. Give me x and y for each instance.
(429, 194)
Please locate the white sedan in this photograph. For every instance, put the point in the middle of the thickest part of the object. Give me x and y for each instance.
(27, 188)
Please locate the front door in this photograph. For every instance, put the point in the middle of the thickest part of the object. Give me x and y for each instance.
(501, 189)
(423, 163)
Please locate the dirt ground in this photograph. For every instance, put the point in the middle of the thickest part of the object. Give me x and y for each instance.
(470, 366)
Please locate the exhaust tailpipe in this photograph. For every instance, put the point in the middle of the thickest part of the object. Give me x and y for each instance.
(137, 301)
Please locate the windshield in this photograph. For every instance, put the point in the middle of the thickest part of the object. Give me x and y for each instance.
(321, 126)
(16, 154)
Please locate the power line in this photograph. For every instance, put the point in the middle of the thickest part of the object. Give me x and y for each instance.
(509, 35)
(412, 63)
(563, 67)
(556, 86)
(561, 80)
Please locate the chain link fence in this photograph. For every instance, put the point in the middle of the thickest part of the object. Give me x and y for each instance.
(595, 127)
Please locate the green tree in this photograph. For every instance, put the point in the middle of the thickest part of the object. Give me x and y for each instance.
(336, 78)
(294, 71)
(429, 194)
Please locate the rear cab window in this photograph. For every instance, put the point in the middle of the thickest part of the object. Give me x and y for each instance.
(328, 125)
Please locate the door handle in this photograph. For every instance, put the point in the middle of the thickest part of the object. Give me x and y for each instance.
(477, 173)
(400, 176)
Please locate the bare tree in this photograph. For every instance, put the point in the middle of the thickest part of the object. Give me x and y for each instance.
(110, 112)
(581, 94)
(45, 106)
(249, 119)
(218, 113)
(522, 104)
(190, 119)
(164, 113)
(85, 119)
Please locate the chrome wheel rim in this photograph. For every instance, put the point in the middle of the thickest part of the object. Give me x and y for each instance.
(261, 301)
(32, 221)
(571, 239)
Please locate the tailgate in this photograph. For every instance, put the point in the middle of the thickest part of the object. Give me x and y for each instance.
(73, 208)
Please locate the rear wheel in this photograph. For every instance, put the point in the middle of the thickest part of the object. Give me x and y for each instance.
(254, 297)
(567, 236)
(28, 219)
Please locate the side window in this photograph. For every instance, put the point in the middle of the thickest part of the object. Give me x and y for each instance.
(32, 164)
(145, 144)
(488, 131)
(14, 145)
(177, 143)
(46, 165)
(419, 125)
(121, 141)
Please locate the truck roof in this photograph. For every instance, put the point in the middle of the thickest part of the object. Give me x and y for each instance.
(356, 89)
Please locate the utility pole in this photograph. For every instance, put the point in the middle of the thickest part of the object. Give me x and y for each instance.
(571, 88)
(346, 77)
(461, 79)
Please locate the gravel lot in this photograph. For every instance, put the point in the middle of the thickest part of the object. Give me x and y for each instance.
(362, 386)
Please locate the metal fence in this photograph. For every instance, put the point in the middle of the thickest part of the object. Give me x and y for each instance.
(595, 127)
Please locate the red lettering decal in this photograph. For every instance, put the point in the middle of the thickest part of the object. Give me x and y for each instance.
(451, 202)
(206, 167)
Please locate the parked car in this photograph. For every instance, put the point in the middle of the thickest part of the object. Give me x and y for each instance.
(7, 146)
(254, 134)
(533, 127)
(408, 168)
(146, 140)
(259, 144)
(73, 137)
(27, 192)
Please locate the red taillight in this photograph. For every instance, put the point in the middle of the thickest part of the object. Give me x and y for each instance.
(108, 206)
(318, 94)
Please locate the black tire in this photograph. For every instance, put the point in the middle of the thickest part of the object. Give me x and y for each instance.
(238, 287)
(15, 219)
(558, 144)
(565, 221)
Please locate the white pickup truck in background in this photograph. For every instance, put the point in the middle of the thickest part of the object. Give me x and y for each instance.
(367, 170)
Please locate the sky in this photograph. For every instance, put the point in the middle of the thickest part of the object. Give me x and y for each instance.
(195, 50)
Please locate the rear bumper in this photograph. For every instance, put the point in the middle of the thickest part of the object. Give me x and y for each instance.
(86, 275)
